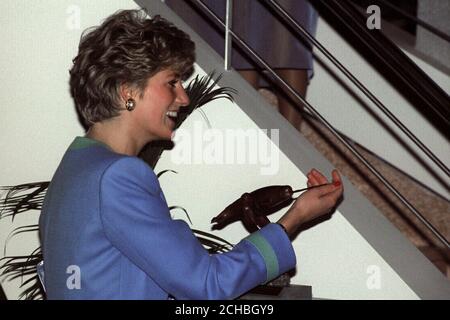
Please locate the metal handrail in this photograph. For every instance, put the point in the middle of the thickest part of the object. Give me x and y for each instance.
(402, 68)
(275, 6)
(355, 152)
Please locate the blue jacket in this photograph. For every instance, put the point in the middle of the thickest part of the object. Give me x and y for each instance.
(107, 233)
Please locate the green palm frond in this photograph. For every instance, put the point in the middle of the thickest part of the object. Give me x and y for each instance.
(23, 197)
(200, 91)
(203, 233)
(214, 244)
(15, 267)
(18, 266)
(164, 171)
(19, 230)
(34, 290)
(181, 208)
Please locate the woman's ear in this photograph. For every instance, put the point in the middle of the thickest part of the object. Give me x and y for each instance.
(125, 92)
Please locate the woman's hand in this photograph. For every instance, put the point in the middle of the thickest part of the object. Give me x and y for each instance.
(315, 202)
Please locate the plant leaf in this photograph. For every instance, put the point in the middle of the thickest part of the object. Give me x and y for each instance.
(203, 233)
(32, 199)
(164, 171)
(177, 207)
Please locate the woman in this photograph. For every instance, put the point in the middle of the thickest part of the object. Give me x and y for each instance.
(105, 226)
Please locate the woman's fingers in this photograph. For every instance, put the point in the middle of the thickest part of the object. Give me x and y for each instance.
(312, 179)
(324, 190)
(321, 179)
(315, 178)
(335, 194)
(336, 177)
(316, 201)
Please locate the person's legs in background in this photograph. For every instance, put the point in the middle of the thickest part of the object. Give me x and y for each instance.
(289, 107)
(251, 76)
(297, 79)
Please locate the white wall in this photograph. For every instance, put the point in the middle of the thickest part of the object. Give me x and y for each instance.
(38, 123)
(346, 114)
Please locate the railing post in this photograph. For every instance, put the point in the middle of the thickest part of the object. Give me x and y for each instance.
(228, 38)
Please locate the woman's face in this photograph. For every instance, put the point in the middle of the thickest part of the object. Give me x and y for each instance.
(162, 99)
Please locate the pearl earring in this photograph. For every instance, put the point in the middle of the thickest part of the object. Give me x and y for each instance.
(130, 104)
